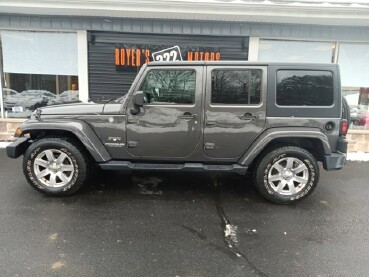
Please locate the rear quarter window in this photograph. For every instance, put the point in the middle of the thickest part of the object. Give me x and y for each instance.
(304, 88)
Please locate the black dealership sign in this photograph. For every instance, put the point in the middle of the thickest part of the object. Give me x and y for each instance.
(115, 58)
(130, 57)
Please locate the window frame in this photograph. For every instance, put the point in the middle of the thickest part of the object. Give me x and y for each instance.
(296, 40)
(74, 35)
(263, 81)
(143, 78)
(302, 106)
(343, 44)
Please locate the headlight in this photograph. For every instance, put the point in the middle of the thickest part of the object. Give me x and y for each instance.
(18, 132)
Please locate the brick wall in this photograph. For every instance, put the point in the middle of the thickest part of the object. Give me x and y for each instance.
(8, 127)
(358, 139)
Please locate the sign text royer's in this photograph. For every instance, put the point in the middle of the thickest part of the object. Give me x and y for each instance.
(136, 57)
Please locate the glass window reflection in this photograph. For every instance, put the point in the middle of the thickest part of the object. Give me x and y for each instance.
(238, 87)
(304, 88)
(169, 87)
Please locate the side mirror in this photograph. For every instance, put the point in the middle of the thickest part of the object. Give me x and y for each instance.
(138, 98)
(138, 101)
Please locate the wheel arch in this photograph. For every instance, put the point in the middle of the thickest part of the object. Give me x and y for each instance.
(312, 140)
(77, 130)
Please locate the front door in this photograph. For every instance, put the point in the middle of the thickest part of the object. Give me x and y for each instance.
(168, 126)
(234, 109)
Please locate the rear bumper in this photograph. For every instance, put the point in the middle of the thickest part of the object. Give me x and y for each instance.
(337, 160)
(17, 148)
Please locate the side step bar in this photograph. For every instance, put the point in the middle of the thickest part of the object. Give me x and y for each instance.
(126, 165)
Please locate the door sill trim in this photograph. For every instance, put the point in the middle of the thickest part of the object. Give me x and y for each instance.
(199, 167)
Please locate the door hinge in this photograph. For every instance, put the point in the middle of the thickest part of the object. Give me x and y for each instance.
(209, 146)
(132, 119)
(132, 144)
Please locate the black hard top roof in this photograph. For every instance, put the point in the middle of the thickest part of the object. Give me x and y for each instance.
(239, 63)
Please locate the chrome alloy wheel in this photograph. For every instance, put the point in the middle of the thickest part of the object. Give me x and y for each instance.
(53, 168)
(288, 176)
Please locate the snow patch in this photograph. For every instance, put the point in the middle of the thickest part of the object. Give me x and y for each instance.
(298, 3)
(230, 234)
(4, 144)
(358, 156)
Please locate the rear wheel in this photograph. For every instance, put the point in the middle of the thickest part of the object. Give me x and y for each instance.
(56, 166)
(287, 174)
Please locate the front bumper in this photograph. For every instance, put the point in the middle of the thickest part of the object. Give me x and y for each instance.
(17, 148)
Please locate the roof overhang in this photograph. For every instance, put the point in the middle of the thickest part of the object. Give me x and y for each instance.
(321, 13)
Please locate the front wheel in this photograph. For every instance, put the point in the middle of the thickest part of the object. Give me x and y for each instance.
(287, 174)
(55, 166)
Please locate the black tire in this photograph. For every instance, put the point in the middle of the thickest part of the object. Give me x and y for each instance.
(346, 111)
(75, 158)
(264, 170)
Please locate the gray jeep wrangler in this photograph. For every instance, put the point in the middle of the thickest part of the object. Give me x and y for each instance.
(274, 120)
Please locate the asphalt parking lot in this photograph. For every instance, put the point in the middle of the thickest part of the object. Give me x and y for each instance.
(183, 225)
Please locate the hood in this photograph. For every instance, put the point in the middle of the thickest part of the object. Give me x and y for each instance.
(71, 109)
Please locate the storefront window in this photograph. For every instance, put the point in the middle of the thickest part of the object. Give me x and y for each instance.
(295, 51)
(353, 59)
(39, 69)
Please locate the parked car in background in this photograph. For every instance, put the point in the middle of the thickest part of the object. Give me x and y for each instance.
(359, 107)
(363, 116)
(7, 92)
(28, 100)
(67, 96)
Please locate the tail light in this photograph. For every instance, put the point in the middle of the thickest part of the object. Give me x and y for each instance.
(344, 127)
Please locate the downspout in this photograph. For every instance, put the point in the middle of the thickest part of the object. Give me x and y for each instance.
(1, 81)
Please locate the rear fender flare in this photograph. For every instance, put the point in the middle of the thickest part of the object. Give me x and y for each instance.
(271, 134)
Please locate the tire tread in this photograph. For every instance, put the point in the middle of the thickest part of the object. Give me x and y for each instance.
(76, 149)
(267, 157)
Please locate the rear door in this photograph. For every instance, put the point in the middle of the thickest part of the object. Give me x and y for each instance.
(234, 109)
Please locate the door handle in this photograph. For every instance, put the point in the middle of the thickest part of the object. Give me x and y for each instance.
(188, 116)
(248, 117)
(210, 123)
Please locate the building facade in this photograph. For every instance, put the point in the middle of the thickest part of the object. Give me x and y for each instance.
(53, 53)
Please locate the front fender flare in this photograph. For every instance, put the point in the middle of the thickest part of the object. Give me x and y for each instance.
(82, 130)
(267, 136)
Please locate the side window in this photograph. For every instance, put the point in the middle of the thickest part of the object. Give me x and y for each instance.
(238, 87)
(304, 88)
(165, 86)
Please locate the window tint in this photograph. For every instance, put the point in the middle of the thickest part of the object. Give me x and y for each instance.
(235, 86)
(169, 86)
(304, 88)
